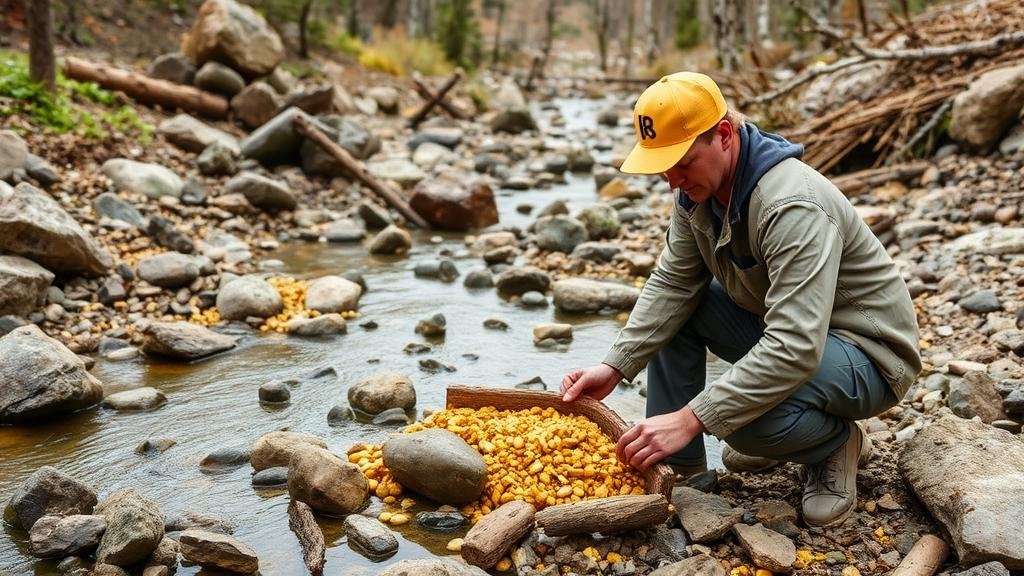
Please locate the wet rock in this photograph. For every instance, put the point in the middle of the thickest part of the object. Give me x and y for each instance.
(333, 294)
(975, 395)
(23, 285)
(262, 192)
(503, 255)
(276, 448)
(596, 251)
(151, 180)
(325, 482)
(190, 519)
(271, 477)
(379, 393)
(981, 302)
(346, 230)
(339, 415)
(168, 269)
(437, 464)
(376, 539)
(225, 458)
(513, 121)
(135, 527)
(705, 517)
(220, 79)
(173, 67)
(248, 296)
(391, 240)
(495, 324)
(215, 550)
(323, 325)
(559, 233)
(443, 269)
(153, 446)
(617, 188)
(556, 331)
(432, 567)
(48, 491)
(101, 569)
(969, 476)
(391, 416)
(433, 326)
(455, 201)
(441, 521)
(520, 280)
(60, 536)
(41, 378)
(33, 225)
(768, 549)
(699, 565)
(479, 279)
(534, 300)
(255, 104)
(218, 159)
(601, 221)
(165, 555)
(582, 295)
(275, 393)
(376, 217)
(138, 399)
(184, 340)
(400, 170)
(235, 34)
(986, 110)
(188, 133)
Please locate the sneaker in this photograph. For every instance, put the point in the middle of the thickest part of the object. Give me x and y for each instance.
(735, 461)
(830, 487)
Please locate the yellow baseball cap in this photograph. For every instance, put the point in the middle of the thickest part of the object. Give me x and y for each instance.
(668, 117)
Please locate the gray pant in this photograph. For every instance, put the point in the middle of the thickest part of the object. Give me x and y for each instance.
(804, 428)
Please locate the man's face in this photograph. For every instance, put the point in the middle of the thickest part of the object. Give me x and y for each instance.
(701, 171)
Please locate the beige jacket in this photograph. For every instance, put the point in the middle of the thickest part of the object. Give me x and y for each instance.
(817, 268)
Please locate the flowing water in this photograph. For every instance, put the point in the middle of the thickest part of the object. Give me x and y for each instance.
(213, 404)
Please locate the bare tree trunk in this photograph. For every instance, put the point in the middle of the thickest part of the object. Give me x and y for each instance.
(725, 34)
(862, 14)
(303, 26)
(603, 22)
(763, 21)
(496, 50)
(390, 16)
(40, 47)
(549, 35)
(630, 27)
(651, 31)
(412, 19)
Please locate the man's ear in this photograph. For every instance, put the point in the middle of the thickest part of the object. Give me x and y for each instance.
(726, 133)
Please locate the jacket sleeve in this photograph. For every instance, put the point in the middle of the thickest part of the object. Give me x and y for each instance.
(801, 247)
(666, 301)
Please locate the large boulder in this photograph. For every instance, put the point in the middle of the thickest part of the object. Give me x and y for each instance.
(988, 108)
(586, 295)
(233, 33)
(168, 269)
(277, 141)
(262, 192)
(216, 550)
(970, 476)
(455, 201)
(447, 566)
(49, 491)
(40, 378)
(61, 536)
(33, 225)
(194, 135)
(382, 392)
(151, 180)
(325, 482)
(135, 526)
(275, 449)
(255, 104)
(248, 296)
(23, 285)
(437, 464)
(333, 294)
(559, 233)
(184, 341)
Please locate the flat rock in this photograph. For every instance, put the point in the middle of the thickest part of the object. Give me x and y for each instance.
(987, 569)
(135, 527)
(248, 296)
(184, 340)
(23, 285)
(438, 464)
(767, 548)
(400, 170)
(168, 269)
(271, 477)
(520, 280)
(145, 398)
(151, 180)
(325, 482)
(41, 378)
(371, 535)
(705, 517)
(381, 392)
(994, 241)
(323, 325)
(216, 550)
(432, 567)
(61, 536)
(699, 565)
(556, 331)
(262, 192)
(586, 295)
(975, 395)
(34, 225)
(970, 476)
(193, 135)
(333, 294)
(276, 448)
(48, 491)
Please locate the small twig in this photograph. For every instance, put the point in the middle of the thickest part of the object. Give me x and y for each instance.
(921, 132)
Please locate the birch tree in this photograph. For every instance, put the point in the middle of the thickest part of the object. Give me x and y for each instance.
(724, 18)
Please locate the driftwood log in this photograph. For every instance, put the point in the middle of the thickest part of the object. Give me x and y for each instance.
(353, 167)
(434, 100)
(855, 183)
(147, 90)
(490, 538)
(925, 558)
(303, 524)
(425, 92)
(605, 515)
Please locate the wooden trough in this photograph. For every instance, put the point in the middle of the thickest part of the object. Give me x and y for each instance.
(658, 479)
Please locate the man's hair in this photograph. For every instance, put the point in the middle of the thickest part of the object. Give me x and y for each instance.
(735, 118)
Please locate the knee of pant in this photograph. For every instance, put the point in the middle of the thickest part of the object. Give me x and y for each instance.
(763, 437)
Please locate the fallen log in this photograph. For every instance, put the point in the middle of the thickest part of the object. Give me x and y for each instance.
(426, 94)
(356, 169)
(490, 538)
(856, 183)
(311, 538)
(925, 558)
(147, 90)
(429, 105)
(605, 515)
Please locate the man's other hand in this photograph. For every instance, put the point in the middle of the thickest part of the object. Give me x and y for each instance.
(595, 382)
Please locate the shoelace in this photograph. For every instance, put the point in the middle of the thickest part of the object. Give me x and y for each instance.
(823, 477)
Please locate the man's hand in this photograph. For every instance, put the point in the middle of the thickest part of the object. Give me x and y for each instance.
(657, 437)
(595, 382)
